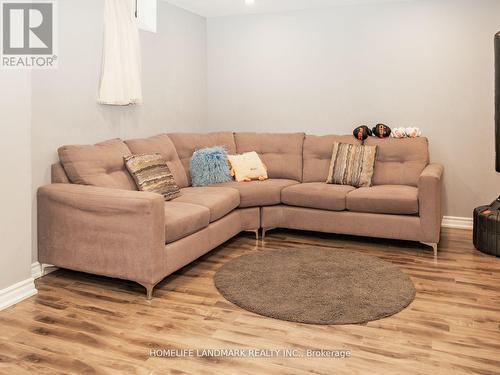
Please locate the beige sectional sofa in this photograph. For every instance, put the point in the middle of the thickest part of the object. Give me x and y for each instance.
(92, 218)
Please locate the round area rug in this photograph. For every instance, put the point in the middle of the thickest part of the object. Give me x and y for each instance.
(315, 286)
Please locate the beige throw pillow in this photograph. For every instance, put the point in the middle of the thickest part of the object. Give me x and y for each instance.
(247, 167)
(352, 165)
(151, 173)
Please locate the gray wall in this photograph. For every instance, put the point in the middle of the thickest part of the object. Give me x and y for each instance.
(15, 197)
(421, 63)
(64, 108)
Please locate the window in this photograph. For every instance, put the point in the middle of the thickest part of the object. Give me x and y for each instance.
(147, 13)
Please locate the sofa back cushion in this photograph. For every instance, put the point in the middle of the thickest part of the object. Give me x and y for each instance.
(163, 145)
(318, 155)
(187, 143)
(100, 165)
(280, 152)
(58, 175)
(399, 161)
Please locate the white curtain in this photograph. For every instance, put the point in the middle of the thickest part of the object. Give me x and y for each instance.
(121, 62)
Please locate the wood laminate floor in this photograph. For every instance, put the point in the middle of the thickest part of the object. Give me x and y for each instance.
(79, 323)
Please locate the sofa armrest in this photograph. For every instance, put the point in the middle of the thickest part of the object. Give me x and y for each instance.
(111, 232)
(429, 201)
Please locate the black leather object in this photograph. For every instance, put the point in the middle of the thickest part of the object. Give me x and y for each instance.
(486, 235)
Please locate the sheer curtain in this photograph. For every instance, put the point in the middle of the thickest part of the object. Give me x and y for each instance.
(121, 58)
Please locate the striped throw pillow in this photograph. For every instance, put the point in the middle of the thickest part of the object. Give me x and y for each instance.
(352, 165)
(151, 173)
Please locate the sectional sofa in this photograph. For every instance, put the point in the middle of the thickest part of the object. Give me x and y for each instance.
(93, 219)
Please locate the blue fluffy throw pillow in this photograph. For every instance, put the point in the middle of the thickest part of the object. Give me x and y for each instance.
(210, 166)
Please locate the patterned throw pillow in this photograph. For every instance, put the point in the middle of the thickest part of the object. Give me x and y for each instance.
(209, 166)
(352, 165)
(151, 173)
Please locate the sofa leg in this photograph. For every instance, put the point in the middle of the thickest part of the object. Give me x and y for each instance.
(256, 231)
(433, 245)
(264, 231)
(149, 290)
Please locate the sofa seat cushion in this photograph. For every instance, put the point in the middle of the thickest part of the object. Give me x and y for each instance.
(183, 219)
(259, 193)
(317, 195)
(220, 201)
(384, 199)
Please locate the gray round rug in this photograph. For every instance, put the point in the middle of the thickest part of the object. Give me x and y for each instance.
(315, 286)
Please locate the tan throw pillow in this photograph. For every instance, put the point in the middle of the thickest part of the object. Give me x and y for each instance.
(352, 165)
(247, 167)
(151, 173)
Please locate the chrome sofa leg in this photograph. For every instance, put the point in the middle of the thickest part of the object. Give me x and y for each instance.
(149, 290)
(256, 231)
(433, 245)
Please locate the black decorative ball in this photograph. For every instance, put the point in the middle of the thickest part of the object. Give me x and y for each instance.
(381, 131)
(362, 132)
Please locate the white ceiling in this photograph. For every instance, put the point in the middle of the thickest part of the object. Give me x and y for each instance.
(217, 8)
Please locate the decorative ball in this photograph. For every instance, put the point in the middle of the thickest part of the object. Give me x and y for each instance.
(413, 132)
(381, 131)
(362, 132)
(398, 133)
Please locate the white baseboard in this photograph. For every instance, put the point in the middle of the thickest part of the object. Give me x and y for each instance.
(36, 270)
(23, 289)
(457, 222)
(17, 292)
